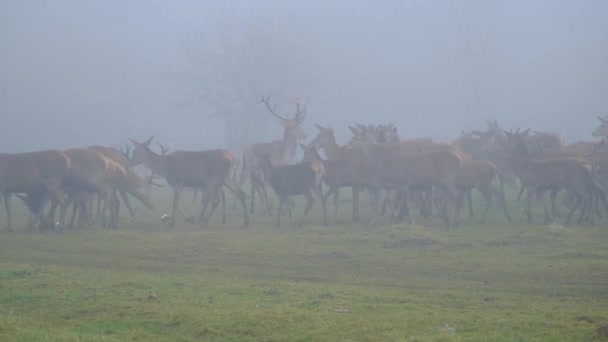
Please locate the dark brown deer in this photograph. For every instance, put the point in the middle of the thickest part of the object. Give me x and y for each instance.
(209, 170)
(279, 152)
(303, 178)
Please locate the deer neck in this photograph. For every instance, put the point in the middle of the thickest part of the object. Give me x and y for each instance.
(332, 149)
(289, 145)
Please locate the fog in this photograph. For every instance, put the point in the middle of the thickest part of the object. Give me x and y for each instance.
(76, 73)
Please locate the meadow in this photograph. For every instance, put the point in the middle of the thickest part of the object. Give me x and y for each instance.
(346, 282)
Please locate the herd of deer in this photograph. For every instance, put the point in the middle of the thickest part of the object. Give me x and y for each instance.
(395, 173)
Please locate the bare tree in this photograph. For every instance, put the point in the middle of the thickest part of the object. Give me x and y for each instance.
(228, 69)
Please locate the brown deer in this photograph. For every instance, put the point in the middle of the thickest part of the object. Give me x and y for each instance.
(279, 152)
(342, 172)
(33, 172)
(304, 178)
(209, 170)
(539, 175)
(480, 175)
(345, 167)
(405, 170)
(91, 171)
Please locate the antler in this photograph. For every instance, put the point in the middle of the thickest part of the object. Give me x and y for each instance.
(300, 113)
(163, 149)
(603, 120)
(266, 101)
(126, 151)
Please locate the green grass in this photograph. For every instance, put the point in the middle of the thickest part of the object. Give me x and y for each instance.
(497, 282)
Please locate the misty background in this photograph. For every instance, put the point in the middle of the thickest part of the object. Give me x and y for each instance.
(77, 73)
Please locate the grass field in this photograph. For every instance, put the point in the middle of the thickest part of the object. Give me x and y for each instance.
(496, 282)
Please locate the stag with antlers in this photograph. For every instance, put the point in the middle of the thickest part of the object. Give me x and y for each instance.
(279, 152)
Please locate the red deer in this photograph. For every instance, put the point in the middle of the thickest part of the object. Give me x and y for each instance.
(304, 178)
(342, 172)
(405, 170)
(209, 170)
(480, 175)
(33, 171)
(345, 167)
(280, 151)
(539, 175)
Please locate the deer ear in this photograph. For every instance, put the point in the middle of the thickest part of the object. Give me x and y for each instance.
(319, 127)
(354, 130)
(303, 147)
(147, 142)
(525, 133)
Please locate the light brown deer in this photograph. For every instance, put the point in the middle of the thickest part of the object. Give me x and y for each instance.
(33, 172)
(303, 178)
(209, 170)
(279, 151)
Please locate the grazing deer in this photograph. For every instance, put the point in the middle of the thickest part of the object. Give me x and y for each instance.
(30, 172)
(279, 152)
(304, 178)
(209, 170)
(602, 129)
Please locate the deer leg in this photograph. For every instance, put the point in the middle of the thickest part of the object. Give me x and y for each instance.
(252, 195)
(522, 187)
(125, 199)
(280, 211)
(554, 211)
(177, 189)
(503, 200)
(335, 193)
(240, 195)
(214, 200)
(573, 208)
(470, 203)
(355, 196)
(526, 210)
(486, 193)
(406, 204)
(7, 208)
(74, 204)
(540, 194)
(319, 193)
(223, 200)
(310, 200)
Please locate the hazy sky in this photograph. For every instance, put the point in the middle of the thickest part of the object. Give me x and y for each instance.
(76, 73)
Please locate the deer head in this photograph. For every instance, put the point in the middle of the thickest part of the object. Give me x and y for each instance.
(141, 151)
(602, 129)
(293, 131)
